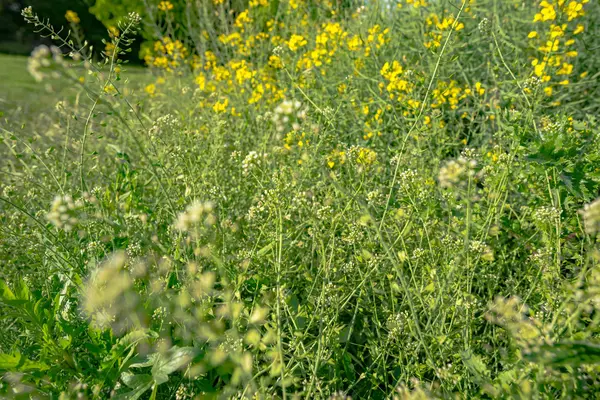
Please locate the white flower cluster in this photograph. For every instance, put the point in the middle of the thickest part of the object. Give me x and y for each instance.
(194, 214)
(532, 83)
(547, 215)
(396, 324)
(166, 123)
(278, 50)
(289, 112)
(375, 198)
(107, 298)
(485, 26)
(251, 161)
(43, 62)
(65, 212)
(134, 18)
(184, 391)
(456, 171)
(480, 249)
(27, 12)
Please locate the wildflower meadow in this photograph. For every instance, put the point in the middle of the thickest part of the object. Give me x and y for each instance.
(302, 199)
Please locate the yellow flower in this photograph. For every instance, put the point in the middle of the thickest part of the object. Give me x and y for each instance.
(109, 48)
(578, 30)
(415, 3)
(221, 106)
(566, 69)
(72, 17)
(365, 156)
(242, 19)
(217, 2)
(257, 94)
(113, 31)
(532, 34)
(165, 6)
(110, 89)
(275, 62)
(557, 31)
(150, 89)
(201, 81)
(354, 43)
(296, 41)
(574, 10)
(393, 74)
(547, 13)
(479, 88)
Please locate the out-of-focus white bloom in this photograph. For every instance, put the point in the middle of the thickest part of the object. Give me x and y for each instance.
(195, 213)
(251, 161)
(591, 217)
(65, 213)
(45, 62)
(456, 171)
(288, 112)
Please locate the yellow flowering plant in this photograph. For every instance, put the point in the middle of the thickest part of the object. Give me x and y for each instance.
(306, 199)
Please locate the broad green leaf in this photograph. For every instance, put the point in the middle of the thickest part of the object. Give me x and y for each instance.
(130, 339)
(134, 381)
(475, 364)
(171, 361)
(16, 362)
(349, 367)
(5, 292)
(567, 353)
(9, 361)
(140, 383)
(151, 359)
(22, 290)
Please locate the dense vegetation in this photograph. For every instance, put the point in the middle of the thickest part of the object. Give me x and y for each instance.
(306, 199)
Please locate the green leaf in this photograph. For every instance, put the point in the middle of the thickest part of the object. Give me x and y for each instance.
(475, 365)
(9, 361)
(5, 292)
(567, 353)
(22, 292)
(265, 249)
(129, 340)
(134, 381)
(151, 359)
(139, 385)
(171, 361)
(348, 367)
(16, 362)
(344, 335)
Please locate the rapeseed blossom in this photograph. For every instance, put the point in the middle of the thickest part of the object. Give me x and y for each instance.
(165, 6)
(72, 17)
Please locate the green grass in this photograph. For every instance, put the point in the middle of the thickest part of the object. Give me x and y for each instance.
(20, 93)
(18, 89)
